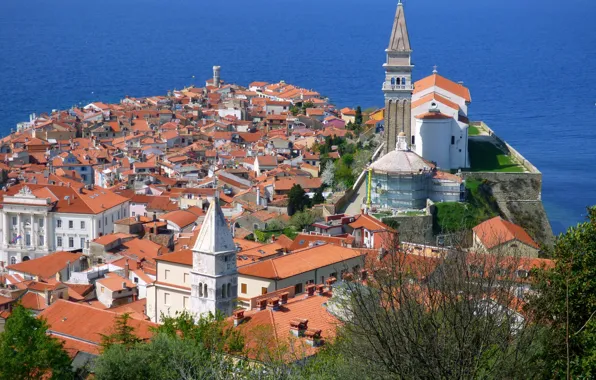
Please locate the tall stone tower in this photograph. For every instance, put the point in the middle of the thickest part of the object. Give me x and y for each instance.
(216, 76)
(214, 276)
(398, 84)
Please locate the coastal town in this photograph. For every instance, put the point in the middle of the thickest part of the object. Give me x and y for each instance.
(264, 204)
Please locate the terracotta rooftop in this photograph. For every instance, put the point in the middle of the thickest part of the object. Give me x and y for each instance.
(46, 266)
(299, 262)
(497, 231)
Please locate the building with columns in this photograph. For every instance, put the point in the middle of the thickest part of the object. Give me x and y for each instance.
(40, 219)
(398, 85)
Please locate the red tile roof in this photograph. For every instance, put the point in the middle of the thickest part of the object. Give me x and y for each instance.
(497, 231)
(443, 83)
(46, 266)
(299, 262)
(83, 322)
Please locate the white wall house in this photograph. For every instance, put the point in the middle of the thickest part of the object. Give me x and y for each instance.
(38, 219)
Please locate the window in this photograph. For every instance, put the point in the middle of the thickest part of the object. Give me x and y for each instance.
(41, 240)
(84, 177)
(134, 213)
(263, 290)
(118, 214)
(298, 288)
(392, 81)
(82, 224)
(200, 289)
(167, 273)
(13, 260)
(452, 140)
(82, 242)
(413, 140)
(186, 278)
(59, 223)
(136, 280)
(28, 239)
(223, 291)
(70, 242)
(99, 222)
(243, 288)
(14, 220)
(70, 224)
(166, 298)
(41, 221)
(59, 241)
(205, 291)
(230, 290)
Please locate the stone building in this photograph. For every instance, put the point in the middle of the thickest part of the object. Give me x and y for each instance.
(398, 84)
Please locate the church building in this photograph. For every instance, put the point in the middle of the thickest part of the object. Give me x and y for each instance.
(426, 129)
(432, 113)
(200, 281)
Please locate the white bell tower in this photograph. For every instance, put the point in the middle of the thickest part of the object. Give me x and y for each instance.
(214, 275)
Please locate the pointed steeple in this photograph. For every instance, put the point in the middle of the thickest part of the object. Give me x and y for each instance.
(400, 40)
(215, 236)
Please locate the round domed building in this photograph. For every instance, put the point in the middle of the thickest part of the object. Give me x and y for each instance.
(403, 180)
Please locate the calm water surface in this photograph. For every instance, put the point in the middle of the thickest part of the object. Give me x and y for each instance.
(531, 65)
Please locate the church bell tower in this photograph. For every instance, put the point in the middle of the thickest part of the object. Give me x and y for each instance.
(398, 85)
(214, 276)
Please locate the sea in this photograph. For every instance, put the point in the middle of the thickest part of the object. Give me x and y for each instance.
(530, 64)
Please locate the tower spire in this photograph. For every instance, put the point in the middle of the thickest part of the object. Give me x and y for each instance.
(400, 40)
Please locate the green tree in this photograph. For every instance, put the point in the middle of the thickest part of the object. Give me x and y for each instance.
(358, 117)
(566, 301)
(302, 220)
(318, 198)
(297, 200)
(210, 330)
(27, 352)
(123, 334)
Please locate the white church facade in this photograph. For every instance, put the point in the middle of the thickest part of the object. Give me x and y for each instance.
(440, 122)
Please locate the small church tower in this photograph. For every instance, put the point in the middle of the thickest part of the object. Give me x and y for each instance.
(398, 85)
(214, 275)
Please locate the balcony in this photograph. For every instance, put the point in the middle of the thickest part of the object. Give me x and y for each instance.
(397, 87)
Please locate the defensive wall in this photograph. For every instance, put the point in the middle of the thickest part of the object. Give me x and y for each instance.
(519, 195)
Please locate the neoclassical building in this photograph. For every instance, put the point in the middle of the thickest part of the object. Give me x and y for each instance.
(40, 219)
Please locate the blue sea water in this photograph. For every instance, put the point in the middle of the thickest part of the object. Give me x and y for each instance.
(531, 65)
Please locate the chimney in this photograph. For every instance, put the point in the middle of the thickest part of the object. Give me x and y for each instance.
(126, 269)
(261, 304)
(238, 317)
(298, 326)
(320, 289)
(46, 293)
(138, 218)
(313, 337)
(284, 298)
(273, 304)
(310, 290)
(123, 285)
